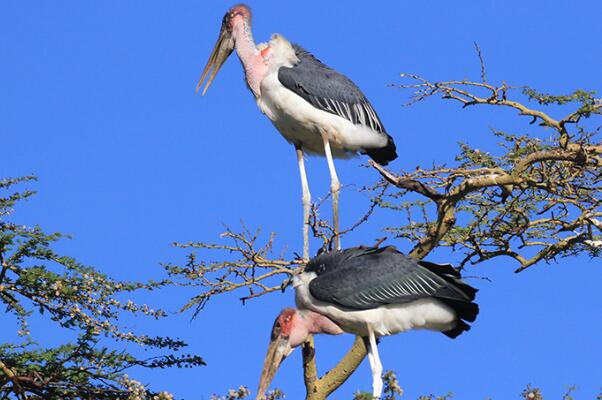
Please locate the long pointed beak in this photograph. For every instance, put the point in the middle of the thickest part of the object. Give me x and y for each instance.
(220, 53)
(278, 350)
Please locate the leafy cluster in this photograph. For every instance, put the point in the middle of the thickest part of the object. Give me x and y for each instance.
(391, 389)
(243, 393)
(38, 283)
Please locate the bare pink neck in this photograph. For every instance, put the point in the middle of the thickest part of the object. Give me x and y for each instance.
(306, 322)
(250, 57)
(317, 323)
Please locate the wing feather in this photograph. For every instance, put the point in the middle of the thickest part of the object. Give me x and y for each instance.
(363, 278)
(328, 90)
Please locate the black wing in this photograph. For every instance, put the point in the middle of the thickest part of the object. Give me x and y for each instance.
(330, 91)
(362, 278)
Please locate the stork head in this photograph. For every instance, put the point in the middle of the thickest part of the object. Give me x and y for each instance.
(238, 14)
(285, 336)
(291, 328)
(235, 15)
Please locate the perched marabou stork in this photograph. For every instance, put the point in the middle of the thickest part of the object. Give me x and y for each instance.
(317, 109)
(370, 292)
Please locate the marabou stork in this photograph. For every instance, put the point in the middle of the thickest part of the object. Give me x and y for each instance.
(317, 109)
(370, 292)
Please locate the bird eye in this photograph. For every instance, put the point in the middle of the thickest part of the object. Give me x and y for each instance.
(276, 330)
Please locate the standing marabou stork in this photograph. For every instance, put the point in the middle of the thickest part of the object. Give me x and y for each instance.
(317, 109)
(370, 292)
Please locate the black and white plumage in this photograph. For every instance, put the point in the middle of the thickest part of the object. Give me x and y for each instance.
(363, 278)
(375, 292)
(331, 91)
(309, 102)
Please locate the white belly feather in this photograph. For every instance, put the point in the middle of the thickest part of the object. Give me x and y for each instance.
(300, 122)
(385, 320)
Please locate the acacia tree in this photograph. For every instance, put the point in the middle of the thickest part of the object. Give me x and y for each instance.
(80, 302)
(534, 198)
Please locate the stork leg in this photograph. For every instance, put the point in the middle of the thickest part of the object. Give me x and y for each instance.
(335, 187)
(305, 199)
(375, 365)
(371, 361)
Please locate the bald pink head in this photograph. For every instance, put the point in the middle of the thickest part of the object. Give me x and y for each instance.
(236, 15)
(235, 33)
(291, 328)
(296, 325)
(283, 325)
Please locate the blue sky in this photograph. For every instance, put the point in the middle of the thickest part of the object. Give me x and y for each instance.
(97, 99)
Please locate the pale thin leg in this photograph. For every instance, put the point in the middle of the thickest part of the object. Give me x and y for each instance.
(371, 361)
(335, 187)
(375, 365)
(306, 200)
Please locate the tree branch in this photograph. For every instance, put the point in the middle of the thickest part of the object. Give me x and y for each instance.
(343, 370)
(557, 179)
(536, 200)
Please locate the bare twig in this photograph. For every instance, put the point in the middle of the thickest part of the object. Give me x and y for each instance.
(482, 62)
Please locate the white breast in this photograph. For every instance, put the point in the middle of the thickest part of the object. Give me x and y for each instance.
(385, 320)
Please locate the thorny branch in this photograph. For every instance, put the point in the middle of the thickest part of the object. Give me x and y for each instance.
(252, 267)
(537, 200)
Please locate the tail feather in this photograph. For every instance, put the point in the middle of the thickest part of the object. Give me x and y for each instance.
(451, 275)
(440, 268)
(459, 296)
(460, 327)
(464, 310)
(383, 155)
